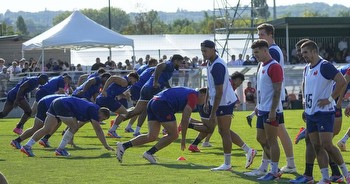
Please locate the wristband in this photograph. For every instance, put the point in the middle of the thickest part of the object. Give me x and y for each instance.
(330, 99)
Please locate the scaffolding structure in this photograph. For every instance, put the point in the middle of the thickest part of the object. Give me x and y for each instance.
(226, 13)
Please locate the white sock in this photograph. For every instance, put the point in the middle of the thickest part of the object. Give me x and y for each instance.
(30, 143)
(113, 128)
(65, 139)
(274, 167)
(325, 175)
(264, 165)
(137, 129)
(129, 126)
(344, 169)
(290, 162)
(245, 147)
(227, 157)
(345, 138)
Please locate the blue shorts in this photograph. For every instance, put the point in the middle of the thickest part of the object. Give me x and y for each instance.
(160, 110)
(41, 94)
(147, 93)
(124, 102)
(320, 122)
(224, 110)
(11, 96)
(263, 116)
(41, 111)
(338, 112)
(135, 92)
(203, 114)
(111, 103)
(58, 109)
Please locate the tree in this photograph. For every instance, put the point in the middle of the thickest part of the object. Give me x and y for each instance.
(261, 9)
(21, 26)
(59, 18)
(309, 13)
(344, 13)
(151, 18)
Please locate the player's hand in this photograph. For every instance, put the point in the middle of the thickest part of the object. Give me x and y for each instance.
(109, 148)
(272, 116)
(323, 102)
(156, 85)
(183, 145)
(104, 93)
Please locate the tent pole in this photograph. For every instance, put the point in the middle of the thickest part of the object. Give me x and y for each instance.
(133, 54)
(42, 60)
(110, 53)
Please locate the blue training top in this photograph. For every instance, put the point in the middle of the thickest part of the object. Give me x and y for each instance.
(49, 98)
(32, 81)
(114, 89)
(141, 69)
(83, 110)
(54, 84)
(145, 76)
(91, 91)
(176, 97)
(164, 77)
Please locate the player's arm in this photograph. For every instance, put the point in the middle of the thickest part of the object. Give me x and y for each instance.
(328, 71)
(90, 82)
(82, 78)
(218, 73)
(159, 69)
(341, 96)
(21, 89)
(275, 73)
(61, 87)
(99, 132)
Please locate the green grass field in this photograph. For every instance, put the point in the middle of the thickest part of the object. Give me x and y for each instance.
(91, 163)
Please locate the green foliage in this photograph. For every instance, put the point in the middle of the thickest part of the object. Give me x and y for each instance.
(344, 13)
(261, 9)
(119, 18)
(309, 13)
(21, 26)
(91, 163)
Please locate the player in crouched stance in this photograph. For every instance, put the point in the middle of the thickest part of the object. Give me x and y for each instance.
(319, 77)
(70, 110)
(269, 82)
(161, 111)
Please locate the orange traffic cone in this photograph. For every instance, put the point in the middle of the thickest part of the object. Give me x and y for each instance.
(181, 158)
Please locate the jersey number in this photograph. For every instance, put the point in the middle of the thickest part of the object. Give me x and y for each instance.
(308, 101)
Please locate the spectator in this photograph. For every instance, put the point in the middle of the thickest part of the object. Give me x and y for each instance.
(120, 66)
(330, 52)
(108, 63)
(139, 64)
(4, 77)
(55, 66)
(26, 68)
(164, 58)
(14, 69)
(147, 58)
(294, 59)
(232, 61)
(65, 66)
(79, 67)
(250, 93)
(347, 58)
(2, 64)
(97, 65)
(128, 65)
(247, 60)
(239, 61)
(21, 63)
(343, 47)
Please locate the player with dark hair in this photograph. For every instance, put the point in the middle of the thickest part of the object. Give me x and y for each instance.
(70, 110)
(161, 112)
(17, 96)
(109, 97)
(42, 107)
(155, 84)
(205, 127)
(54, 85)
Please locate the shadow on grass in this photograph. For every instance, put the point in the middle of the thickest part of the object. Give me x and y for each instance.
(185, 165)
(104, 155)
(255, 179)
(72, 148)
(2, 159)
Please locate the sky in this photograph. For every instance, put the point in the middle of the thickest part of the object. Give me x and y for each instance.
(136, 5)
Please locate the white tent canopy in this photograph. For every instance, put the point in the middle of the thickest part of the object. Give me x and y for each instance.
(77, 32)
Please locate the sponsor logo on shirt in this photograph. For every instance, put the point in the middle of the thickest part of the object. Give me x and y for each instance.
(316, 72)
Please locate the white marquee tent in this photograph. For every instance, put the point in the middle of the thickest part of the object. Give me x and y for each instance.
(76, 32)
